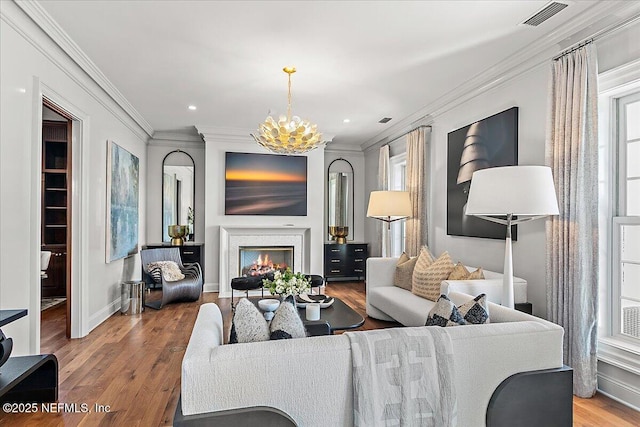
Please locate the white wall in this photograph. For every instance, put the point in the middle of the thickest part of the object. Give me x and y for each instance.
(217, 144)
(156, 151)
(360, 196)
(528, 92)
(25, 70)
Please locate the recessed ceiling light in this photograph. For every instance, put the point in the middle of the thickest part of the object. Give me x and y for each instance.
(192, 107)
(346, 121)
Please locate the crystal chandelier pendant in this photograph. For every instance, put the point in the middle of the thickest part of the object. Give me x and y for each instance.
(288, 135)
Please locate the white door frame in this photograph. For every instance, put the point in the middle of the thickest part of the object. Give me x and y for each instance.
(79, 210)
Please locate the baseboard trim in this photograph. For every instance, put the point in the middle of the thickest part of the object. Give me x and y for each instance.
(96, 319)
(210, 287)
(619, 391)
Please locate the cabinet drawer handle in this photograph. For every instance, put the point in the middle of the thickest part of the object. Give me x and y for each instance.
(358, 260)
(335, 250)
(188, 253)
(335, 271)
(358, 270)
(359, 250)
(335, 260)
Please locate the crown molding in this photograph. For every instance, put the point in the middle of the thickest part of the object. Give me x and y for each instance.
(51, 28)
(216, 133)
(169, 139)
(535, 54)
(337, 148)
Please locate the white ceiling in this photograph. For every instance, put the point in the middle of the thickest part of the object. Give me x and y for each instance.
(361, 60)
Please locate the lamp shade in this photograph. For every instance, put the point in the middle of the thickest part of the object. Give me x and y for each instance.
(389, 205)
(518, 190)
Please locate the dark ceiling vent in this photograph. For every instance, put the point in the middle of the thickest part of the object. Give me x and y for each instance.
(545, 13)
(385, 120)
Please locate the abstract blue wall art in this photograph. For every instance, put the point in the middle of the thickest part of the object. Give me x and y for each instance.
(123, 171)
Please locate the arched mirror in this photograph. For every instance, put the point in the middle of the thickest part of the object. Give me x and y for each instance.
(178, 192)
(340, 200)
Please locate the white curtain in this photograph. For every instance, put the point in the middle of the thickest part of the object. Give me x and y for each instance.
(383, 184)
(416, 225)
(572, 237)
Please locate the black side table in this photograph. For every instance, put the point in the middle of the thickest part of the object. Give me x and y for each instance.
(525, 307)
(27, 378)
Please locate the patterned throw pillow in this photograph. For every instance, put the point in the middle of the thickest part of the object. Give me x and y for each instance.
(155, 273)
(476, 275)
(248, 324)
(476, 311)
(460, 272)
(404, 271)
(426, 280)
(286, 323)
(444, 313)
(170, 270)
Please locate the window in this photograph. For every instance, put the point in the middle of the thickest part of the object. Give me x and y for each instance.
(397, 182)
(625, 286)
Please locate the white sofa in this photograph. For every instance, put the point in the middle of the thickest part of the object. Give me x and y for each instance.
(388, 302)
(310, 379)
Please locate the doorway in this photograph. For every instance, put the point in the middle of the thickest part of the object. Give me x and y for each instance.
(56, 219)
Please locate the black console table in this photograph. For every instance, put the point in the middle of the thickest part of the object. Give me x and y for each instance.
(345, 261)
(27, 378)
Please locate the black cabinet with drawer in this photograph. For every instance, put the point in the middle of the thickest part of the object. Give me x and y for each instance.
(189, 252)
(345, 262)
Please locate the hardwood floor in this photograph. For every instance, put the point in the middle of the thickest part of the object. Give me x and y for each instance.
(132, 364)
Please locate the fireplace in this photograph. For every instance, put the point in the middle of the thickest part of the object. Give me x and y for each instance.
(259, 260)
(236, 237)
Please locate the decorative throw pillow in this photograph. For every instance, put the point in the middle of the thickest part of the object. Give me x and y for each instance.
(286, 323)
(155, 272)
(476, 311)
(404, 271)
(476, 275)
(444, 313)
(459, 272)
(248, 324)
(426, 280)
(170, 270)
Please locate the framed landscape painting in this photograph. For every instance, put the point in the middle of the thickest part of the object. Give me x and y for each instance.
(265, 184)
(487, 143)
(123, 172)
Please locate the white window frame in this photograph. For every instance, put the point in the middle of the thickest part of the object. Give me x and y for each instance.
(613, 347)
(397, 182)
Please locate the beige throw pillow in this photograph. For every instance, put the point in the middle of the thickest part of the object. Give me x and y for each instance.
(426, 281)
(476, 275)
(404, 271)
(459, 272)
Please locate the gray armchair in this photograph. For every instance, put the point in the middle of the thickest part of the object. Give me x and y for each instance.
(187, 289)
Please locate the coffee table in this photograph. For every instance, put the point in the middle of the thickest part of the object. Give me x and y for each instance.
(338, 315)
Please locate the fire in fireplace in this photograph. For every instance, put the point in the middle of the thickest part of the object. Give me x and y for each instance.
(256, 261)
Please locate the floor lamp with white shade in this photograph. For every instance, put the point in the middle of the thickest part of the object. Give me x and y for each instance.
(511, 195)
(389, 206)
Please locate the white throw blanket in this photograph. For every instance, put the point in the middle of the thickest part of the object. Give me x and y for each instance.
(403, 377)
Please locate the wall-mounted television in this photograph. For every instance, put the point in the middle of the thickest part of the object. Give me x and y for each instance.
(265, 184)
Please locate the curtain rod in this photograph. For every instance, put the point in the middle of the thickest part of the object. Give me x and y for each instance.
(573, 49)
(598, 35)
(405, 134)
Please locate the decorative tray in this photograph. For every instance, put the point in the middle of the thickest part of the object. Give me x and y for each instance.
(303, 299)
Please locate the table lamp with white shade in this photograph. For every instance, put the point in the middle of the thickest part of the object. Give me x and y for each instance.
(389, 206)
(502, 193)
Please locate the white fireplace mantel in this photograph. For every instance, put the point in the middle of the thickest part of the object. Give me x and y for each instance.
(234, 237)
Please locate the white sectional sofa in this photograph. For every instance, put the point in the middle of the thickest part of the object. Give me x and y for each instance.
(310, 379)
(388, 302)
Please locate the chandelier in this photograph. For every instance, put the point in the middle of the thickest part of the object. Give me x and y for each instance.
(288, 135)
